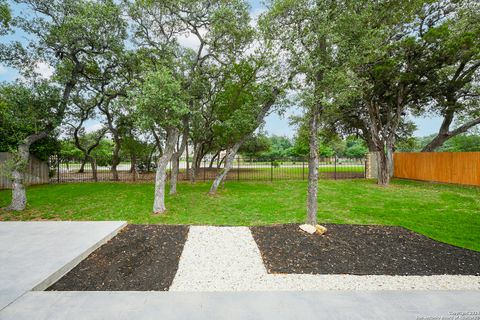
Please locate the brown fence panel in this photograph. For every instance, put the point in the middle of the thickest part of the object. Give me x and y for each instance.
(36, 171)
(448, 167)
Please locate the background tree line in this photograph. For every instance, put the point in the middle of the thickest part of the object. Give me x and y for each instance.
(261, 146)
(180, 77)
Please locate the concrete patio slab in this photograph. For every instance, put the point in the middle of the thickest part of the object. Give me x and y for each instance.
(243, 305)
(33, 255)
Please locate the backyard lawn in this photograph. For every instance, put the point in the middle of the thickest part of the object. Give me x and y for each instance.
(446, 213)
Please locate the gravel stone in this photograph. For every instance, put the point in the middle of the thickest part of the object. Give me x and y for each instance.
(228, 259)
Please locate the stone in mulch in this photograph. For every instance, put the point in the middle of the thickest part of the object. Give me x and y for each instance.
(139, 258)
(360, 250)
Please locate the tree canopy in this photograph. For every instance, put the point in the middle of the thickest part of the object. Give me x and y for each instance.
(169, 79)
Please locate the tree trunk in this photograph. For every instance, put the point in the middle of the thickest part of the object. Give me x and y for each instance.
(193, 169)
(174, 176)
(19, 195)
(187, 159)
(175, 165)
(445, 134)
(133, 163)
(82, 166)
(88, 150)
(213, 160)
(198, 165)
(219, 163)
(93, 164)
(150, 157)
(382, 167)
(313, 162)
(115, 160)
(160, 176)
(371, 144)
(198, 156)
(436, 143)
(229, 159)
(383, 139)
(389, 157)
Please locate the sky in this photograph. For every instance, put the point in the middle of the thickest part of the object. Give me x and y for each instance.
(275, 124)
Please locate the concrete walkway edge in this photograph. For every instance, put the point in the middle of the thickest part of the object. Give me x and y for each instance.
(35, 254)
(331, 305)
(73, 263)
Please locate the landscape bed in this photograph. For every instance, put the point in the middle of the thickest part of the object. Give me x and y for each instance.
(360, 250)
(147, 257)
(139, 258)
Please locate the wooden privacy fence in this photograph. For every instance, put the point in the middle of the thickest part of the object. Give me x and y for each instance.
(448, 167)
(37, 171)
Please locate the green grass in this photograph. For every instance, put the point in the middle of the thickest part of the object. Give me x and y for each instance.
(443, 212)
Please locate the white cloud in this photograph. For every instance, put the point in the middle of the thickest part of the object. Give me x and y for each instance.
(189, 41)
(44, 70)
(92, 125)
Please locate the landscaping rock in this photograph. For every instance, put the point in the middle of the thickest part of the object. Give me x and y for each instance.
(320, 229)
(308, 228)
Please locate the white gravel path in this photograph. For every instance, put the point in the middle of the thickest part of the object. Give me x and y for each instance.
(228, 259)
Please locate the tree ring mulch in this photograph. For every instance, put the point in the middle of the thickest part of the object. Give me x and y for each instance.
(360, 250)
(139, 258)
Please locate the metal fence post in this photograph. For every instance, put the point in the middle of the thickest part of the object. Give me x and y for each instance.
(303, 169)
(335, 167)
(271, 169)
(365, 173)
(58, 169)
(204, 169)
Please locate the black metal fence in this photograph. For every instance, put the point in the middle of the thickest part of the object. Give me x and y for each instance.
(244, 169)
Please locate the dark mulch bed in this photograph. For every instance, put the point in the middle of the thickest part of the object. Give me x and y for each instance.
(360, 250)
(140, 257)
